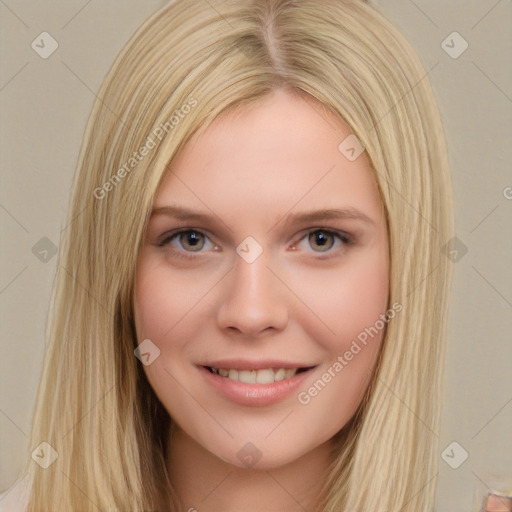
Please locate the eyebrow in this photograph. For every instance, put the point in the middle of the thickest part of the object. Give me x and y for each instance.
(323, 214)
(181, 213)
(328, 214)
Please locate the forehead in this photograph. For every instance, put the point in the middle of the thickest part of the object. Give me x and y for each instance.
(279, 153)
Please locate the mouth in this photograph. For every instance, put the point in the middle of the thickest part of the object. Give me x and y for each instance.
(255, 383)
(257, 376)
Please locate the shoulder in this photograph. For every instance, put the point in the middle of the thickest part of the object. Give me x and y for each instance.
(15, 499)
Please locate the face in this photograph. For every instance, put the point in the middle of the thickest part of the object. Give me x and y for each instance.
(265, 260)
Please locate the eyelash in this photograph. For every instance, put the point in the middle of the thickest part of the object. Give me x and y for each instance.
(343, 238)
(183, 254)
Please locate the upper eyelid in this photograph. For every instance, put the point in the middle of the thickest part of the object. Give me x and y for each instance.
(341, 235)
(335, 232)
(169, 235)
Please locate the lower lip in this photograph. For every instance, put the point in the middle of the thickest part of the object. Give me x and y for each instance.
(256, 395)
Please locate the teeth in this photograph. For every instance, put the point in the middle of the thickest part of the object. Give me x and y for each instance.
(266, 376)
(247, 376)
(280, 374)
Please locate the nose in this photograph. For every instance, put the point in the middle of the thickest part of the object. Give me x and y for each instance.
(254, 302)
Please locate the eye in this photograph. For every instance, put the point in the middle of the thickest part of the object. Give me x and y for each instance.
(322, 240)
(189, 240)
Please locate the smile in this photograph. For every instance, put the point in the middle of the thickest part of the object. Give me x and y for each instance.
(263, 376)
(259, 383)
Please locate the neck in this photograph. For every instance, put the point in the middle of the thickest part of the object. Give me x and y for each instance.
(205, 483)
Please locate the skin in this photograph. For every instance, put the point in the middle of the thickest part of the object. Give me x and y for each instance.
(251, 173)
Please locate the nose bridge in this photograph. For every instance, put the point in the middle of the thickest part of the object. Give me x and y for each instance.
(253, 302)
(253, 276)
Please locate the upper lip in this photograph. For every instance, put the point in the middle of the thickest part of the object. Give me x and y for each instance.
(260, 364)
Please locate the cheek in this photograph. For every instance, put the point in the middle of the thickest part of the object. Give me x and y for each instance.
(164, 297)
(171, 308)
(163, 305)
(348, 326)
(160, 308)
(345, 302)
(155, 307)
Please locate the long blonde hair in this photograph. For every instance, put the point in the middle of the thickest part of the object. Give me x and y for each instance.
(187, 64)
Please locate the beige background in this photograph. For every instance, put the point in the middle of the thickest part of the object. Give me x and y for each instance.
(45, 104)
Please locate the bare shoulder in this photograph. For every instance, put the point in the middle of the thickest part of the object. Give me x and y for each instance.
(15, 499)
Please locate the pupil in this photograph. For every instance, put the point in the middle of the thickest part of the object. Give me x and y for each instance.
(193, 239)
(321, 240)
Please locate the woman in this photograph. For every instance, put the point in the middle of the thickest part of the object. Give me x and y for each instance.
(250, 303)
